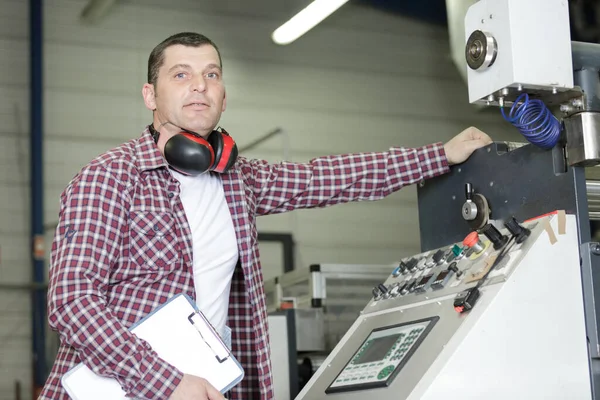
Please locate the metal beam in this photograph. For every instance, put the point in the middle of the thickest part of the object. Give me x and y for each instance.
(38, 300)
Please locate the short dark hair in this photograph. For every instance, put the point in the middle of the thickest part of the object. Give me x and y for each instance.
(157, 56)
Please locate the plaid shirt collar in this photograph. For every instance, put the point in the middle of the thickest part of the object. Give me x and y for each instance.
(148, 156)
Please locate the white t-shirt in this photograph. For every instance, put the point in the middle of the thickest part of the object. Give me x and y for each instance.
(215, 251)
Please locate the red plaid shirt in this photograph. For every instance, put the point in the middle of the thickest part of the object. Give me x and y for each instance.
(123, 247)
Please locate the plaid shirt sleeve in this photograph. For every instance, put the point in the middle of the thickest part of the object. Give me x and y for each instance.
(92, 216)
(325, 181)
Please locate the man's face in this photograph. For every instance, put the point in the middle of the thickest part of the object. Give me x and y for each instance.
(189, 91)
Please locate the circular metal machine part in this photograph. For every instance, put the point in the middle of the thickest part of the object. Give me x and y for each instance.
(469, 210)
(483, 212)
(481, 50)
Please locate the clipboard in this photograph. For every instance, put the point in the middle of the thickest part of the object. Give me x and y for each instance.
(180, 335)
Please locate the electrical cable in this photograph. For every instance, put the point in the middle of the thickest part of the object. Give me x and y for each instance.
(502, 253)
(534, 120)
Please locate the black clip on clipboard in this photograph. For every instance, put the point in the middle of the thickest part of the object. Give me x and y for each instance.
(210, 336)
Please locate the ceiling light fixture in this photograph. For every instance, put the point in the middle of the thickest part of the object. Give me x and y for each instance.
(305, 20)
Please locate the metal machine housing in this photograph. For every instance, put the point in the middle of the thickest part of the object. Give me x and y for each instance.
(530, 52)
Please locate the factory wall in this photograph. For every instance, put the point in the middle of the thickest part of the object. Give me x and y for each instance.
(361, 81)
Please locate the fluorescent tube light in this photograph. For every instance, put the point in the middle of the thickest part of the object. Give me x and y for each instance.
(305, 20)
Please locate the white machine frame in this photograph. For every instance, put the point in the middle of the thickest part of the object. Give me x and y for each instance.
(481, 354)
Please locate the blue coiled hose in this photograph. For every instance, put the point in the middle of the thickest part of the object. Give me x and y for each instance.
(534, 120)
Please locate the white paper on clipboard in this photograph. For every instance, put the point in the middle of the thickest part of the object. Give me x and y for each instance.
(181, 336)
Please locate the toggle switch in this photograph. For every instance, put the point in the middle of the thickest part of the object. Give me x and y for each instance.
(497, 238)
(412, 264)
(458, 252)
(519, 232)
(454, 268)
(384, 290)
(438, 256)
(399, 270)
(376, 294)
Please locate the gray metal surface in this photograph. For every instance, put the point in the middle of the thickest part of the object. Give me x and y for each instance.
(310, 329)
(590, 271)
(583, 141)
(587, 80)
(581, 205)
(283, 354)
(585, 55)
(524, 183)
(592, 188)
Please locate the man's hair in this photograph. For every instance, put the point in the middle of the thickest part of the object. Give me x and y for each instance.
(157, 56)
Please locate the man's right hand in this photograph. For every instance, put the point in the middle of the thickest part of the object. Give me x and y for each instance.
(195, 388)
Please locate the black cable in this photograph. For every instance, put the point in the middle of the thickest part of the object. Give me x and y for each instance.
(497, 261)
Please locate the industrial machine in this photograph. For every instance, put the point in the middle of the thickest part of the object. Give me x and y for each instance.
(502, 302)
(320, 302)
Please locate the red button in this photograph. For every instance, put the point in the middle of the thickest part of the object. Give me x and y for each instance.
(471, 239)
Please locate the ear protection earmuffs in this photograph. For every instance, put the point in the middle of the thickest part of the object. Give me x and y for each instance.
(191, 154)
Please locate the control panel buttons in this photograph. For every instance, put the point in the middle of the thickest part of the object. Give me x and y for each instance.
(421, 286)
(383, 290)
(429, 261)
(395, 290)
(458, 252)
(411, 265)
(442, 278)
(454, 268)
(402, 288)
(438, 257)
(376, 294)
(399, 270)
(472, 241)
(385, 372)
(408, 288)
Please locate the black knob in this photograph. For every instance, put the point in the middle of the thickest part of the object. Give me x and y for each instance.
(412, 264)
(492, 233)
(437, 257)
(468, 191)
(519, 232)
(453, 267)
(382, 288)
(376, 293)
(402, 267)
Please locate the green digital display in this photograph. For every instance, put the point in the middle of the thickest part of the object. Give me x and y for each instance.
(381, 356)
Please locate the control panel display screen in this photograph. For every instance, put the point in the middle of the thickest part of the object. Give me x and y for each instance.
(377, 349)
(382, 355)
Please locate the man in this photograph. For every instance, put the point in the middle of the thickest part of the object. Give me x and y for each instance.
(134, 231)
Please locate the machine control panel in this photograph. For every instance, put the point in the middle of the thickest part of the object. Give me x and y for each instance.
(450, 267)
(428, 324)
(381, 356)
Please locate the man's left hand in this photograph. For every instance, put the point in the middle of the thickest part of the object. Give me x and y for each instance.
(461, 146)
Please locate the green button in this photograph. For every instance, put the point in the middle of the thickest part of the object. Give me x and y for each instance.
(457, 250)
